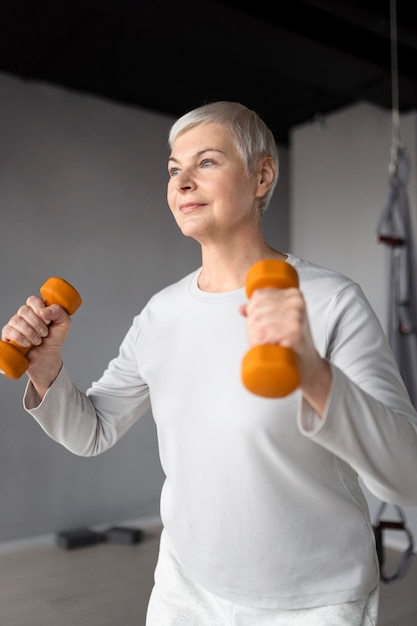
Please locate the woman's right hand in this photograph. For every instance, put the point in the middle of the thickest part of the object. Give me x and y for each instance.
(45, 328)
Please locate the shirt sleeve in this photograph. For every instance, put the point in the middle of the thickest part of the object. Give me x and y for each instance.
(369, 421)
(89, 423)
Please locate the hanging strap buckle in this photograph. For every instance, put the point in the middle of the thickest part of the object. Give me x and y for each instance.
(407, 556)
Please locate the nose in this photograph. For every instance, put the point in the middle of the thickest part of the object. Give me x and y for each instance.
(184, 180)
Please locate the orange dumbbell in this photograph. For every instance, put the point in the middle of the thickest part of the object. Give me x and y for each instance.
(270, 370)
(13, 361)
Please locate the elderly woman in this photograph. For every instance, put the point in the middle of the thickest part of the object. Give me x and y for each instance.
(264, 520)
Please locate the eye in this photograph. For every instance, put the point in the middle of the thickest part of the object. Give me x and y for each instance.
(206, 163)
(173, 171)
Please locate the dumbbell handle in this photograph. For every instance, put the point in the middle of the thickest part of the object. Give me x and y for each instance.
(268, 370)
(13, 361)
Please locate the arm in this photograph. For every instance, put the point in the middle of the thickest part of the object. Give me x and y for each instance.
(89, 423)
(369, 421)
(353, 401)
(86, 424)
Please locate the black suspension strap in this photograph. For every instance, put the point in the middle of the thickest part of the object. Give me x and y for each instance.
(407, 556)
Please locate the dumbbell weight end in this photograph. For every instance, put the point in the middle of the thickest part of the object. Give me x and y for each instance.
(270, 371)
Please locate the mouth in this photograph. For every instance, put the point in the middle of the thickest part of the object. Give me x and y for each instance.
(189, 207)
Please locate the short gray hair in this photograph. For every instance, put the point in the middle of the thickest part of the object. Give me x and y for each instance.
(253, 139)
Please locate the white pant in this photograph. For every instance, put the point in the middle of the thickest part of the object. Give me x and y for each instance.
(178, 601)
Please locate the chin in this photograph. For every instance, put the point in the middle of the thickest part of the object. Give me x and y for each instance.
(190, 230)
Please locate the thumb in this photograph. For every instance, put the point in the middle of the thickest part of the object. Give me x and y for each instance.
(54, 313)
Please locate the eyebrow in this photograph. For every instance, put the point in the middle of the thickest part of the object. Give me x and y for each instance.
(197, 154)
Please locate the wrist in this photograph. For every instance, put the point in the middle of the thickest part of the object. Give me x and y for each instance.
(44, 380)
(316, 385)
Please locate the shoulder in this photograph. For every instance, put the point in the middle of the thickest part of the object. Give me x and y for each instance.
(318, 277)
(325, 289)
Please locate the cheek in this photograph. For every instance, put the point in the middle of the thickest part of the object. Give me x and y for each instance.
(239, 199)
(170, 197)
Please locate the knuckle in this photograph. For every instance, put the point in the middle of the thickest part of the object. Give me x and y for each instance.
(32, 302)
(14, 321)
(21, 311)
(9, 333)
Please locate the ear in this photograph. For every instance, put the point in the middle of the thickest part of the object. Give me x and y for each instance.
(266, 175)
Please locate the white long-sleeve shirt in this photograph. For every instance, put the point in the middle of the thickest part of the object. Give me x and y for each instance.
(261, 499)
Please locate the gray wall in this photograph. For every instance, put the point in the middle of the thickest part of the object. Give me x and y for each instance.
(83, 196)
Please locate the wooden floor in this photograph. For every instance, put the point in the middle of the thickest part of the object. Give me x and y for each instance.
(109, 585)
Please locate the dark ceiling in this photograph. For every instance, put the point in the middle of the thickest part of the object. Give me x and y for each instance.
(292, 62)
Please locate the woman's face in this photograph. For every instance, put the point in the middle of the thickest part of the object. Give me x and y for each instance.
(209, 193)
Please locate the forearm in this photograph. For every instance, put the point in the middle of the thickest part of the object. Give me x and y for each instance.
(377, 440)
(88, 423)
(65, 414)
(316, 382)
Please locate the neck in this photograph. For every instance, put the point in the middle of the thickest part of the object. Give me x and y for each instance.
(226, 269)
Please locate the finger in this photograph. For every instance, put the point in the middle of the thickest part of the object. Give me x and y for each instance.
(36, 303)
(276, 318)
(25, 328)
